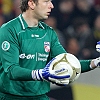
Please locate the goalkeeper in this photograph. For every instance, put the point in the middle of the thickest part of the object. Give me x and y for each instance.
(27, 46)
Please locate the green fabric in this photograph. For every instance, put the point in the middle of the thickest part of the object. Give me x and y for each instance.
(23, 49)
(13, 97)
(85, 65)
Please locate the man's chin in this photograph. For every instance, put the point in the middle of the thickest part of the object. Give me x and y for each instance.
(44, 18)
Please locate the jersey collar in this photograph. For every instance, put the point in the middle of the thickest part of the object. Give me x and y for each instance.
(24, 24)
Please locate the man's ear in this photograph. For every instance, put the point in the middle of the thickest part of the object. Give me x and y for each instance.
(31, 4)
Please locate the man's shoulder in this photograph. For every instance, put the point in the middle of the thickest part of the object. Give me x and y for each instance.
(45, 25)
(10, 24)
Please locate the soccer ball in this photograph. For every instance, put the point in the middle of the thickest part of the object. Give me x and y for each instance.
(70, 63)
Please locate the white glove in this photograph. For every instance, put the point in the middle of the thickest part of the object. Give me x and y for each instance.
(45, 74)
(98, 46)
(97, 62)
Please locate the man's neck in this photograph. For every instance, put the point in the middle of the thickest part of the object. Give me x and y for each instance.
(32, 22)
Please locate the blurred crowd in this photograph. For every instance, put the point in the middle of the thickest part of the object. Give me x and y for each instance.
(77, 23)
(9, 9)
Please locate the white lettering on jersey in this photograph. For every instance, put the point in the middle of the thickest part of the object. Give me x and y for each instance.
(37, 56)
(29, 56)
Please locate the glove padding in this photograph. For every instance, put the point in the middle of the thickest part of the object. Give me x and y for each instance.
(46, 74)
(97, 62)
(98, 46)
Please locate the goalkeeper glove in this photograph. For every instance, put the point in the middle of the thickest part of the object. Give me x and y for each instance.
(96, 62)
(98, 46)
(51, 76)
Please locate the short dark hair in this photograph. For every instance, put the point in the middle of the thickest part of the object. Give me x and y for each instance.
(24, 4)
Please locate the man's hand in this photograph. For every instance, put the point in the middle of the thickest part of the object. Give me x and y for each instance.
(51, 76)
(98, 46)
(95, 63)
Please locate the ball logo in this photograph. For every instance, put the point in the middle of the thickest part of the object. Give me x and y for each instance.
(5, 45)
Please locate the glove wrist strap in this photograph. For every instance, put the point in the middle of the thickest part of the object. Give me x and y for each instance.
(37, 75)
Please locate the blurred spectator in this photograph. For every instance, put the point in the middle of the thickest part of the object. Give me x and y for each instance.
(84, 35)
(97, 5)
(51, 21)
(16, 8)
(72, 46)
(91, 2)
(96, 30)
(6, 9)
(64, 14)
(86, 10)
(0, 6)
(2, 20)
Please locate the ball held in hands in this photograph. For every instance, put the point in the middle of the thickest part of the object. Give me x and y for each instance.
(66, 64)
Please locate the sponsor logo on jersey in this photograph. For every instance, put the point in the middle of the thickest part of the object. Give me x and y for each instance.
(35, 35)
(29, 56)
(5, 45)
(42, 57)
(47, 46)
(37, 56)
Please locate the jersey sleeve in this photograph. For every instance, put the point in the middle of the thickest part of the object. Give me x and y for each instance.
(85, 65)
(10, 56)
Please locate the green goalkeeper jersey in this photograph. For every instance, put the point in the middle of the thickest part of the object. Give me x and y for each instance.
(23, 49)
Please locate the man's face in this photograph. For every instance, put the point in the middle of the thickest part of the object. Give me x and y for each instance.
(42, 9)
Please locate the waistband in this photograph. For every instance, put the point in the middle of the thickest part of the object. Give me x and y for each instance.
(16, 97)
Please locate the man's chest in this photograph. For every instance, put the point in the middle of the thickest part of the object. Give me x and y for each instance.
(34, 41)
